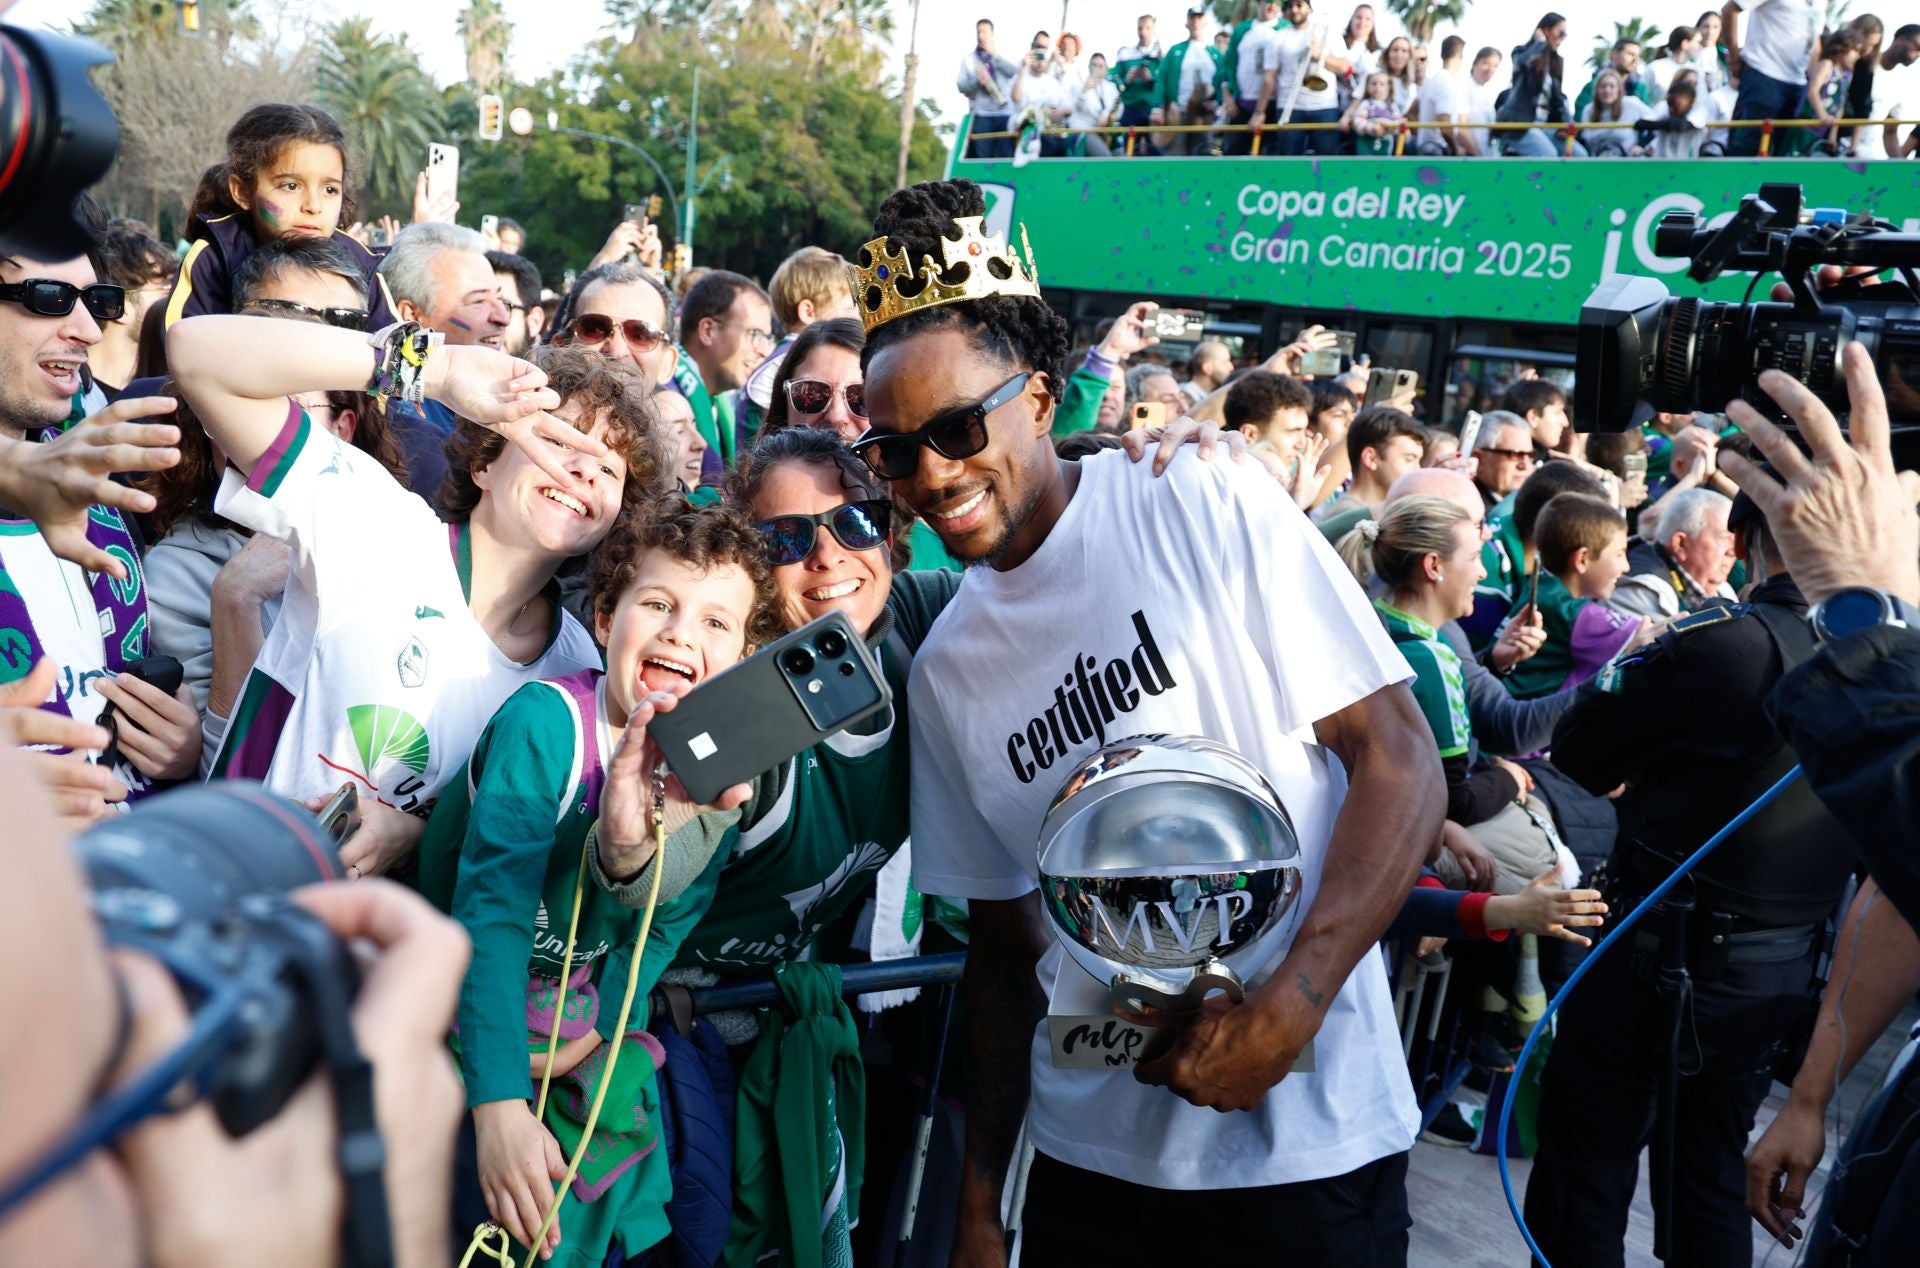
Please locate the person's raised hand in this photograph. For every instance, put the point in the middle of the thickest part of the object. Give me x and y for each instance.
(1778, 1166)
(1520, 640)
(81, 791)
(519, 1163)
(649, 251)
(1169, 436)
(441, 208)
(622, 242)
(1839, 513)
(1130, 332)
(1309, 473)
(1289, 359)
(625, 832)
(1694, 454)
(390, 228)
(54, 482)
(510, 396)
(1545, 909)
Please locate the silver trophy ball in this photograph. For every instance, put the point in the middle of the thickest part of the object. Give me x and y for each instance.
(1168, 865)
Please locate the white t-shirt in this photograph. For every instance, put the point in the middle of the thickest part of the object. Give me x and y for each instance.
(1072, 76)
(1240, 609)
(1093, 105)
(1292, 46)
(1444, 93)
(376, 671)
(1632, 110)
(70, 627)
(1481, 108)
(1895, 94)
(1037, 93)
(1259, 53)
(1778, 36)
(1196, 71)
(1365, 61)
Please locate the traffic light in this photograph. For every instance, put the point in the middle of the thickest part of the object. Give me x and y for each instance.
(190, 16)
(492, 116)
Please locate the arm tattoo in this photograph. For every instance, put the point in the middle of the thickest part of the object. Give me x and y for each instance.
(1305, 984)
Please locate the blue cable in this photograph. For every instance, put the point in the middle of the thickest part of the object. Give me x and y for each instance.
(1580, 971)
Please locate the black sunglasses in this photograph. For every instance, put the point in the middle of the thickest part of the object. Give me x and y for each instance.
(857, 526)
(344, 318)
(47, 298)
(812, 397)
(956, 435)
(597, 328)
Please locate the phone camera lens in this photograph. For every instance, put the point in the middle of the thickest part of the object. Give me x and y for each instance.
(797, 661)
(833, 645)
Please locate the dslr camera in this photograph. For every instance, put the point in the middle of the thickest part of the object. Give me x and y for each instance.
(57, 135)
(1637, 343)
(199, 878)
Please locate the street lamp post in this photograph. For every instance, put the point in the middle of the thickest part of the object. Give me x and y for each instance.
(666, 182)
(693, 158)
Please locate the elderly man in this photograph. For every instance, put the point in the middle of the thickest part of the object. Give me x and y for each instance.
(1150, 384)
(1505, 451)
(1685, 567)
(439, 276)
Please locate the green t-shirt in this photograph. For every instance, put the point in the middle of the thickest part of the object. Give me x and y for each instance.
(927, 552)
(686, 377)
(834, 820)
(1137, 77)
(1079, 408)
(502, 855)
(1439, 684)
(1344, 520)
(1174, 64)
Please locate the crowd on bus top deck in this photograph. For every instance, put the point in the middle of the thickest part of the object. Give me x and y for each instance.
(418, 599)
(1670, 97)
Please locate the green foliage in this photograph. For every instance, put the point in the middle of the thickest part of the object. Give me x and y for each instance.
(1423, 16)
(388, 106)
(1641, 31)
(121, 24)
(487, 35)
(811, 154)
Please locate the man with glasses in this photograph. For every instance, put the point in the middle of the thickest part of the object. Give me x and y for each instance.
(520, 288)
(726, 329)
(438, 276)
(92, 623)
(1505, 453)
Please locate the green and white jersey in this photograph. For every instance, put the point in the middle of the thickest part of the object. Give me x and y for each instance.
(376, 672)
(1439, 685)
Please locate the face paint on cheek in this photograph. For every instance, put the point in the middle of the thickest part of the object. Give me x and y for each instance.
(270, 214)
(455, 321)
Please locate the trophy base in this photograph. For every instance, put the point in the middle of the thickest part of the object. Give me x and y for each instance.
(1138, 994)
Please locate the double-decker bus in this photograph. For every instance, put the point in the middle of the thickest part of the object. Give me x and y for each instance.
(1463, 269)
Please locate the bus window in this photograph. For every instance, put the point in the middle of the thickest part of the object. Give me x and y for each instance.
(1487, 358)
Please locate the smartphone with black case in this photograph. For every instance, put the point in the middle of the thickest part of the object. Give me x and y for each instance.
(163, 672)
(777, 703)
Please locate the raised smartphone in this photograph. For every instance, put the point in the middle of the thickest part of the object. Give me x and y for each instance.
(443, 172)
(341, 815)
(777, 703)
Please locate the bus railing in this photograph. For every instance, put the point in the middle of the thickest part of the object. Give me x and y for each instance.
(855, 979)
(1568, 133)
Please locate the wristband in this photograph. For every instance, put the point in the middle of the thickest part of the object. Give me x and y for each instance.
(402, 349)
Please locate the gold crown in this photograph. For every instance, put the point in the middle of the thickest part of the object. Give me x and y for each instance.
(876, 287)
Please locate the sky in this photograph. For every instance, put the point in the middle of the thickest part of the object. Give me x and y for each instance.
(549, 32)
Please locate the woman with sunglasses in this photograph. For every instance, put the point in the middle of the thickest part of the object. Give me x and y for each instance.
(821, 384)
(820, 828)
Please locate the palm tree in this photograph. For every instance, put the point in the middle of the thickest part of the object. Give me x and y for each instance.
(1422, 16)
(487, 34)
(120, 23)
(1639, 30)
(386, 103)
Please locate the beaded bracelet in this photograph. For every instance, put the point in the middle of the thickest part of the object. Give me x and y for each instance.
(402, 349)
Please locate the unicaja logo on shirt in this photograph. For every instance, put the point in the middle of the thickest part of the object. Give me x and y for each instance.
(412, 663)
(1090, 696)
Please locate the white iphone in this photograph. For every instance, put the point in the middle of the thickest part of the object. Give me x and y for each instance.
(443, 173)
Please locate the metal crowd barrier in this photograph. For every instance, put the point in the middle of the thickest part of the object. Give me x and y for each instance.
(855, 979)
(1568, 132)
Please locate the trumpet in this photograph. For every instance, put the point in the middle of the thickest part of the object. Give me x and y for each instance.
(1315, 79)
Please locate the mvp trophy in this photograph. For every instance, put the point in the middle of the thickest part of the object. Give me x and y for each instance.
(1168, 866)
